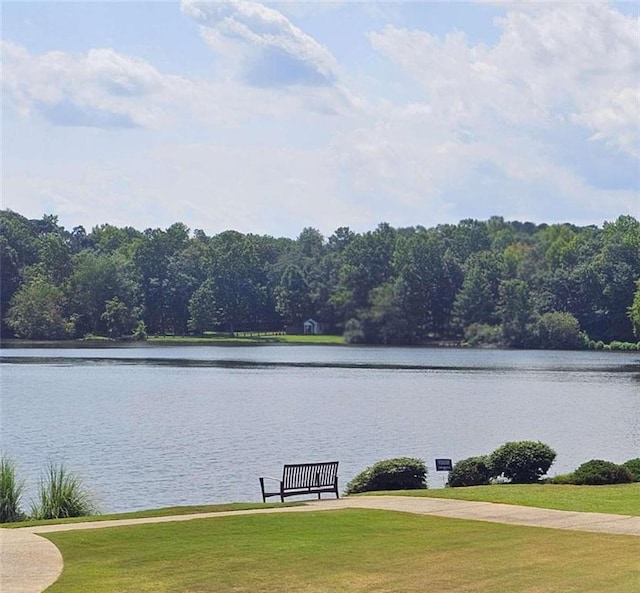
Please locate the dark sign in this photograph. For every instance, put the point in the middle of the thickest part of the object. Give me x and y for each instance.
(443, 465)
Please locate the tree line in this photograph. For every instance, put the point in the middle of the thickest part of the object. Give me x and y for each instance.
(509, 283)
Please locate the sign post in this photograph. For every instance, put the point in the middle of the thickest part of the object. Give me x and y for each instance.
(444, 465)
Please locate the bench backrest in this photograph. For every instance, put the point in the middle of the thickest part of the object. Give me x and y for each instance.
(304, 475)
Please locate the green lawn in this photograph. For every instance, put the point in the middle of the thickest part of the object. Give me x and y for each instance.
(620, 499)
(214, 508)
(246, 338)
(344, 551)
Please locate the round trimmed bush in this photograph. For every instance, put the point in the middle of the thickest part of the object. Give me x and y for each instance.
(522, 462)
(473, 471)
(400, 473)
(633, 465)
(598, 472)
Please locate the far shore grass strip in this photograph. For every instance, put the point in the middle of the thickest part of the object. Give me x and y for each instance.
(346, 551)
(248, 338)
(618, 499)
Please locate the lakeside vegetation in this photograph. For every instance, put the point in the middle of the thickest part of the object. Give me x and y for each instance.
(494, 282)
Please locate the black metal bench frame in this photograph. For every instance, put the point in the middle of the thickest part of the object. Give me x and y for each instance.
(304, 478)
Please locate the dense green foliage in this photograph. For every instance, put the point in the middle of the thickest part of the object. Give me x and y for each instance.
(522, 462)
(62, 494)
(598, 472)
(401, 473)
(633, 466)
(10, 492)
(473, 471)
(484, 282)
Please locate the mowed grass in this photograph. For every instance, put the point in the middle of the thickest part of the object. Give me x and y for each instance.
(247, 338)
(619, 499)
(344, 551)
(163, 512)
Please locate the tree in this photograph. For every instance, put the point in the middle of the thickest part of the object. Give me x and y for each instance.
(476, 302)
(97, 279)
(366, 263)
(515, 312)
(203, 313)
(614, 272)
(36, 311)
(55, 258)
(559, 331)
(153, 253)
(18, 250)
(235, 289)
(186, 270)
(119, 319)
(293, 295)
(428, 281)
(634, 311)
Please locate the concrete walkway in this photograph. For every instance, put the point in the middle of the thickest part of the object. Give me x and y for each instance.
(29, 563)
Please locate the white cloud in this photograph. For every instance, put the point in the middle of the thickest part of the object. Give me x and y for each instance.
(485, 137)
(269, 49)
(105, 89)
(487, 129)
(100, 89)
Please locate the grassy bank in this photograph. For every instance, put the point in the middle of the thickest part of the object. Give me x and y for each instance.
(347, 551)
(164, 512)
(246, 338)
(621, 499)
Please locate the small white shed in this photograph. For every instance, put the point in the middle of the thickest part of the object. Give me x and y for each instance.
(311, 327)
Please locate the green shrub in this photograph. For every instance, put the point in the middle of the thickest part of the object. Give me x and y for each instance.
(522, 462)
(633, 465)
(559, 330)
(140, 334)
(561, 479)
(480, 333)
(354, 332)
(597, 472)
(401, 473)
(10, 492)
(474, 471)
(62, 494)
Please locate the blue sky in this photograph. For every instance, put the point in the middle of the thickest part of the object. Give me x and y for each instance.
(271, 117)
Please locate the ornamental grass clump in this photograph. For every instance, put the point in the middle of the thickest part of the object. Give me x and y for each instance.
(10, 493)
(62, 494)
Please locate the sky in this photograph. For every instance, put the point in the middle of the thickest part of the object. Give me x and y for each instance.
(268, 118)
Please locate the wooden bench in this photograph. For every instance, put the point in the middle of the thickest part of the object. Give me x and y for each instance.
(304, 478)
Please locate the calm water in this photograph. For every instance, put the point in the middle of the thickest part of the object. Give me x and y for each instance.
(157, 426)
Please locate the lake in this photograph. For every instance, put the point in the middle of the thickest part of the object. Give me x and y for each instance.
(153, 426)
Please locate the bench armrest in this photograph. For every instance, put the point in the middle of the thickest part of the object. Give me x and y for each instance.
(270, 478)
(264, 493)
